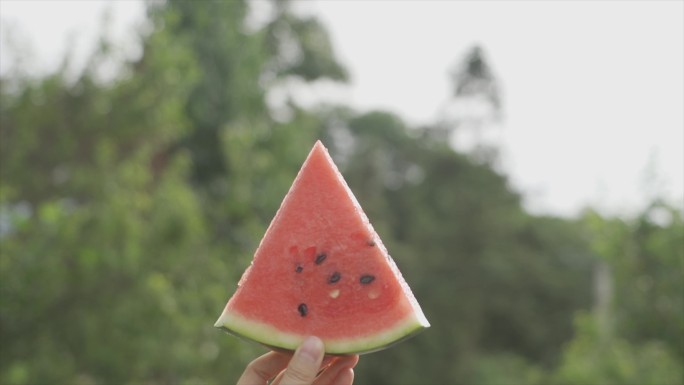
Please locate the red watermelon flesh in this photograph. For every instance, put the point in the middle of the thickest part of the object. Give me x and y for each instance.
(322, 270)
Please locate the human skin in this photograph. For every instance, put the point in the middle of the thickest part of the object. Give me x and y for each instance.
(306, 366)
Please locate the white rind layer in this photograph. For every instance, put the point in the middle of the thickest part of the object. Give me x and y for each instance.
(273, 338)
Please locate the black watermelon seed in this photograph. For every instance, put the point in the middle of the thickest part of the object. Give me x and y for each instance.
(371, 243)
(334, 277)
(366, 279)
(320, 258)
(299, 269)
(302, 309)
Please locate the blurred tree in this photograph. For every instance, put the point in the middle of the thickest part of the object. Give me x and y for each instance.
(593, 359)
(228, 62)
(470, 118)
(634, 333)
(491, 279)
(129, 208)
(238, 149)
(300, 46)
(474, 77)
(235, 67)
(644, 256)
(125, 262)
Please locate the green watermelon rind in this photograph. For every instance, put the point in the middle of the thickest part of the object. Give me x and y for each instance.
(275, 339)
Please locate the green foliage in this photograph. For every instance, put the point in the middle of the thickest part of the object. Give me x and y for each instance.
(637, 338)
(645, 256)
(228, 61)
(593, 359)
(301, 47)
(504, 369)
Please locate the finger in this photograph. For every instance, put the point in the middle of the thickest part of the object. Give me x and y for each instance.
(304, 365)
(263, 369)
(327, 362)
(279, 377)
(344, 377)
(335, 368)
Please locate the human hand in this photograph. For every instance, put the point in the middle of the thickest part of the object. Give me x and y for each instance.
(305, 367)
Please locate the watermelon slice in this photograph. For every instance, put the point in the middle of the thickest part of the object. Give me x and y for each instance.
(322, 270)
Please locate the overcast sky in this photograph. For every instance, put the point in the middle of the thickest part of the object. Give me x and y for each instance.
(593, 91)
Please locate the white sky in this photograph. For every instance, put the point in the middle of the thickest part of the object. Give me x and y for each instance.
(593, 91)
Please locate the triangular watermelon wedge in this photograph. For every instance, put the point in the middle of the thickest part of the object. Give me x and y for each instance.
(322, 270)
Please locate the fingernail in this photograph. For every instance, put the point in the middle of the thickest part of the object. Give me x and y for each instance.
(312, 349)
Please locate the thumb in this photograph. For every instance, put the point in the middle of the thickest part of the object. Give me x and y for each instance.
(305, 363)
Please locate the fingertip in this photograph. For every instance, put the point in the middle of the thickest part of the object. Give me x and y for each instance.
(312, 349)
(305, 362)
(344, 377)
(347, 361)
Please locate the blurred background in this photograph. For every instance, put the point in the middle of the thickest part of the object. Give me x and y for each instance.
(522, 161)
